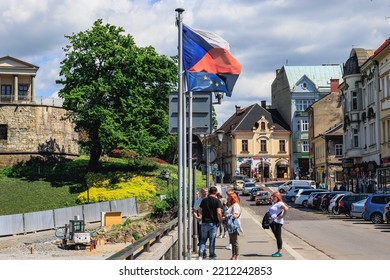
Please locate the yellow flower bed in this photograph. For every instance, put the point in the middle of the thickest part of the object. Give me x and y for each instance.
(140, 187)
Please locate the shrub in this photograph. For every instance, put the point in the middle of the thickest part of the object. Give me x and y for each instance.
(140, 187)
(160, 208)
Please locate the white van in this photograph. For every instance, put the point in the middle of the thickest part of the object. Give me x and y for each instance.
(291, 193)
(287, 185)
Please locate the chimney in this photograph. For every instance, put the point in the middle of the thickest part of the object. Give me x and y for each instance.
(334, 85)
(264, 104)
(238, 109)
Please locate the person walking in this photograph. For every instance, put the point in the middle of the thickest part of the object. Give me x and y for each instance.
(196, 214)
(277, 211)
(211, 215)
(235, 211)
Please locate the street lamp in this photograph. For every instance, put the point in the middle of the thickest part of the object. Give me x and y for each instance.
(220, 134)
(167, 175)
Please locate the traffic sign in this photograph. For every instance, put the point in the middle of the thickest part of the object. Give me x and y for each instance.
(201, 113)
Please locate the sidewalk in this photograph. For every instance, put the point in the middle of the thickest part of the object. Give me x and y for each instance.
(255, 244)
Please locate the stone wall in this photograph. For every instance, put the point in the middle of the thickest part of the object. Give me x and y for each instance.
(33, 130)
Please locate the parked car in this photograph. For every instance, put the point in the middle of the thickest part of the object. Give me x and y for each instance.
(284, 188)
(263, 197)
(253, 193)
(374, 207)
(303, 194)
(317, 200)
(325, 200)
(311, 198)
(290, 196)
(357, 209)
(386, 213)
(248, 186)
(334, 203)
(344, 206)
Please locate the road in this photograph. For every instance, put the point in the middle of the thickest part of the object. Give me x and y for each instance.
(338, 237)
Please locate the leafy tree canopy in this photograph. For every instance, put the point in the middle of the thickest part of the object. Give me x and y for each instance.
(117, 92)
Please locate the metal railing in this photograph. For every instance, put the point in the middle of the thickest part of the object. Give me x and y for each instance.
(168, 248)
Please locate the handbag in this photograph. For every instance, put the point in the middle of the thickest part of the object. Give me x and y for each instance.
(267, 220)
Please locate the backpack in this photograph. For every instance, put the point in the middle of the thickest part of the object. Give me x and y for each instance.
(232, 225)
(266, 220)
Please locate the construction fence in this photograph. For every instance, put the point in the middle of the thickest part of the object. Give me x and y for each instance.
(51, 219)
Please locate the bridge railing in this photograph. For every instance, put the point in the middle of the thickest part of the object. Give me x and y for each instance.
(160, 244)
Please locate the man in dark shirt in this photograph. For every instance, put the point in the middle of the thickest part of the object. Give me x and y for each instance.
(211, 214)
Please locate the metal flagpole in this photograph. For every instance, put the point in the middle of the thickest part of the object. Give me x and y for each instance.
(190, 197)
(180, 132)
(184, 163)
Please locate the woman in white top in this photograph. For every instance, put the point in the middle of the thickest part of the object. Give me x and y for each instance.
(234, 210)
(277, 210)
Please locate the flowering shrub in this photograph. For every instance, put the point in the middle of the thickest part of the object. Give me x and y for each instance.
(159, 160)
(140, 187)
(116, 153)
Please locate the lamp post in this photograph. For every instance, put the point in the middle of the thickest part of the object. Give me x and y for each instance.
(167, 176)
(220, 134)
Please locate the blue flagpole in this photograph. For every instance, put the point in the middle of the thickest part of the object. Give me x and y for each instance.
(180, 133)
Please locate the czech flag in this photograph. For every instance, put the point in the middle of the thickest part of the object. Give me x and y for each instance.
(207, 61)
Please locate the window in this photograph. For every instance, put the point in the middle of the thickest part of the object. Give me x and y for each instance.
(244, 145)
(263, 146)
(303, 104)
(6, 91)
(354, 104)
(355, 138)
(387, 91)
(371, 130)
(3, 132)
(302, 125)
(282, 145)
(305, 146)
(370, 93)
(262, 126)
(338, 150)
(23, 92)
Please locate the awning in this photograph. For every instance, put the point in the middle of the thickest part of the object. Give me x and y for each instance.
(282, 163)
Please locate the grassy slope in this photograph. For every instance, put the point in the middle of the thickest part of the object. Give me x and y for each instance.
(56, 186)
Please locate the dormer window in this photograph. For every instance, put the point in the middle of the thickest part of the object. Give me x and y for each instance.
(262, 126)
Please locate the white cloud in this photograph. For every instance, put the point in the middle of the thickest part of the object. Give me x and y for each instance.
(263, 34)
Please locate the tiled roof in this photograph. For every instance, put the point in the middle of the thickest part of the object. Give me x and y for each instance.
(320, 75)
(381, 47)
(247, 117)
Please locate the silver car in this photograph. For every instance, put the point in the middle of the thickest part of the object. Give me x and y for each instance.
(248, 186)
(357, 209)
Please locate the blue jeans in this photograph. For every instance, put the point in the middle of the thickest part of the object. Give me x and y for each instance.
(209, 231)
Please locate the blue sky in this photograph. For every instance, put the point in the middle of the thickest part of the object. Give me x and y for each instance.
(264, 35)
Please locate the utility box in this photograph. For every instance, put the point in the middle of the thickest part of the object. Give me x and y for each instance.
(111, 218)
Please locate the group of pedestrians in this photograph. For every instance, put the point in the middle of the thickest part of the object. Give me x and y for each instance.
(213, 212)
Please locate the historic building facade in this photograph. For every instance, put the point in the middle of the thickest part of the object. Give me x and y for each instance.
(293, 90)
(28, 129)
(326, 138)
(360, 103)
(256, 143)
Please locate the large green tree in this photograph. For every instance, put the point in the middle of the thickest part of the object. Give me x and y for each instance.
(117, 92)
